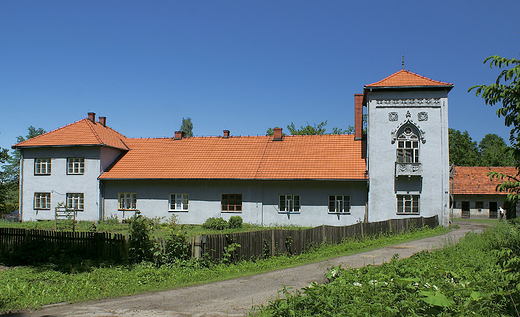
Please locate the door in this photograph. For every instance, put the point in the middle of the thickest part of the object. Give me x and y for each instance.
(465, 209)
(493, 210)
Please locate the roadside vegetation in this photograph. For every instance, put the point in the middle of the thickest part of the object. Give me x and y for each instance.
(479, 276)
(30, 287)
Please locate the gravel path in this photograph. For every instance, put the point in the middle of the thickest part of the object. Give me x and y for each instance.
(236, 297)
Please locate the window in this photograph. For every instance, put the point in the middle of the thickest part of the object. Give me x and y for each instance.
(407, 204)
(127, 201)
(42, 200)
(407, 146)
(231, 202)
(76, 166)
(479, 205)
(339, 203)
(42, 166)
(75, 201)
(179, 202)
(289, 203)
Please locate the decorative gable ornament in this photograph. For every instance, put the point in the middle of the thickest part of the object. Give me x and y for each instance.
(406, 132)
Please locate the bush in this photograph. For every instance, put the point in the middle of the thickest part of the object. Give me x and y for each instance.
(177, 247)
(215, 224)
(141, 245)
(235, 222)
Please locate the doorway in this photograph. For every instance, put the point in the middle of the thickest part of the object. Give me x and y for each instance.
(465, 209)
(493, 214)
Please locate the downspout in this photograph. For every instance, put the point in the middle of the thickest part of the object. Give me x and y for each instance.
(20, 187)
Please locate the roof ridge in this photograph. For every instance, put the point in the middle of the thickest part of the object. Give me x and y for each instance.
(96, 135)
(41, 135)
(375, 84)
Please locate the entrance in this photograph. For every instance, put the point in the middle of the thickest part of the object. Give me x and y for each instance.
(493, 210)
(465, 209)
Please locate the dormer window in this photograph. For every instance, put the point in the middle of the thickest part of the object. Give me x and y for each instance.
(407, 146)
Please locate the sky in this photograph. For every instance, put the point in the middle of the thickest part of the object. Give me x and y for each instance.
(242, 66)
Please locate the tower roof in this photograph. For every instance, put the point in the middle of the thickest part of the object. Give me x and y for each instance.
(408, 79)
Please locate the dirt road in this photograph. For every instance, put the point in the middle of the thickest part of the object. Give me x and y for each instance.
(236, 297)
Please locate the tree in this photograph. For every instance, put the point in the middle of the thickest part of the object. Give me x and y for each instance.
(493, 151)
(10, 175)
(463, 150)
(187, 127)
(506, 90)
(308, 129)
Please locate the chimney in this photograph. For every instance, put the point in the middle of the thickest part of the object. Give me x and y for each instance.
(103, 121)
(92, 116)
(358, 116)
(226, 134)
(277, 134)
(178, 135)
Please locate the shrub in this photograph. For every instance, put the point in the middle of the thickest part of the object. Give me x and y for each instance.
(235, 222)
(141, 245)
(215, 224)
(177, 247)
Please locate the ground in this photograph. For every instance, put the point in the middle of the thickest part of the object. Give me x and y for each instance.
(236, 297)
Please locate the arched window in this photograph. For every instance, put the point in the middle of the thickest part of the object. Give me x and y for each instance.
(407, 145)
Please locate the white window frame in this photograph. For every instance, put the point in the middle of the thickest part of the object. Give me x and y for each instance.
(407, 146)
(408, 204)
(75, 201)
(339, 204)
(127, 201)
(179, 202)
(75, 166)
(289, 203)
(42, 166)
(42, 200)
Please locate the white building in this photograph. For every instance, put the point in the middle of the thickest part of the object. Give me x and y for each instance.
(398, 169)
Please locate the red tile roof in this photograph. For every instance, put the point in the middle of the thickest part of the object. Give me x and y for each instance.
(334, 157)
(82, 132)
(473, 180)
(405, 78)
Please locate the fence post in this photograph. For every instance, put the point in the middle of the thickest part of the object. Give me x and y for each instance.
(198, 247)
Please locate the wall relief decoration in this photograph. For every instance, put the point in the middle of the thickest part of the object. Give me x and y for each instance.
(393, 116)
(422, 116)
(410, 102)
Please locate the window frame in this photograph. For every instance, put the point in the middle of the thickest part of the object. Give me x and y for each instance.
(132, 197)
(333, 202)
(408, 145)
(75, 166)
(38, 201)
(39, 163)
(414, 206)
(75, 199)
(174, 199)
(231, 203)
(292, 204)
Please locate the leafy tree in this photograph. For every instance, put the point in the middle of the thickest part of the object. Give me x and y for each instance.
(463, 150)
(494, 151)
(10, 175)
(308, 129)
(187, 127)
(506, 90)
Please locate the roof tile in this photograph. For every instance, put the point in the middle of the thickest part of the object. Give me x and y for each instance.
(473, 180)
(405, 78)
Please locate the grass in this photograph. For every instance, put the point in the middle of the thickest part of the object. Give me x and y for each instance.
(32, 287)
(483, 220)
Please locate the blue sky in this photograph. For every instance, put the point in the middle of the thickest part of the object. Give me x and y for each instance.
(244, 66)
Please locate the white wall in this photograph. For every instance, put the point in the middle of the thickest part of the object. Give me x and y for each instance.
(260, 200)
(434, 156)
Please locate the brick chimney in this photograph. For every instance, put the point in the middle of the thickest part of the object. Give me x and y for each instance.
(92, 116)
(103, 121)
(358, 116)
(277, 134)
(178, 135)
(226, 134)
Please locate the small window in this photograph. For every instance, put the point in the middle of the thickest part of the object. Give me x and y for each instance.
(339, 204)
(178, 202)
(42, 166)
(407, 204)
(76, 166)
(479, 205)
(75, 201)
(289, 203)
(231, 202)
(127, 201)
(42, 200)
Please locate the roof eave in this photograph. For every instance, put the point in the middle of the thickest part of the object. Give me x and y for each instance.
(427, 87)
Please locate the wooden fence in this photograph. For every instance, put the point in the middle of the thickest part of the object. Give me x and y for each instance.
(281, 241)
(254, 244)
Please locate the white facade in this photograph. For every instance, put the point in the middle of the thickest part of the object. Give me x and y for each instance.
(426, 180)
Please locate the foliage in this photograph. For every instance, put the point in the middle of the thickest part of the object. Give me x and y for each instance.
(476, 277)
(187, 127)
(141, 244)
(495, 152)
(215, 223)
(463, 150)
(316, 129)
(235, 222)
(32, 287)
(177, 248)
